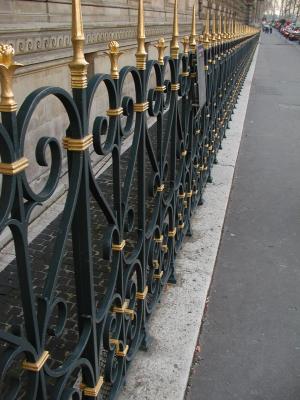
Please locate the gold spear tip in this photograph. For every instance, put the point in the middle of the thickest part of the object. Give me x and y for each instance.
(114, 53)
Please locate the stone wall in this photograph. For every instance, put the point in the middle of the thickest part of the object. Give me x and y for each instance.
(40, 31)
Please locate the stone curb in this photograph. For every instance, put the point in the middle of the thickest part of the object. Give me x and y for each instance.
(162, 372)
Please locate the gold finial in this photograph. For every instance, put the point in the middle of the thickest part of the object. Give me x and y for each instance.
(193, 35)
(220, 34)
(114, 53)
(225, 28)
(141, 54)
(175, 35)
(78, 66)
(186, 44)
(7, 70)
(214, 36)
(161, 47)
(206, 34)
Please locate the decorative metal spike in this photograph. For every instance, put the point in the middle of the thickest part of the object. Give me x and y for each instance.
(114, 53)
(220, 33)
(78, 66)
(213, 33)
(141, 54)
(161, 47)
(193, 35)
(8, 67)
(206, 35)
(175, 34)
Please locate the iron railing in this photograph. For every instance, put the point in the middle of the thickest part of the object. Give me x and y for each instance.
(115, 243)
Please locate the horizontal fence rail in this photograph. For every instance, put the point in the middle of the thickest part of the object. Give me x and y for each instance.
(86, 295)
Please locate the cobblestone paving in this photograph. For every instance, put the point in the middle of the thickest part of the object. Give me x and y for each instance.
(40, 254)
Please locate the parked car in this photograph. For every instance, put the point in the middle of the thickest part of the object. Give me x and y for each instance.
(294, 34)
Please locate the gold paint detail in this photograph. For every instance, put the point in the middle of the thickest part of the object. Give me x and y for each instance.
(38, 365)
(181, 195)
(141, 54)
(7, 69)
(142, 295)
(164, 248)
(114, 112)
(175, 33)
(114, 53)
(119, 353)
(119, 246)
(92, 392)
(181, 226)
(120, 310)
(14, 167)
(205, 67)
(78, 66)
(160, 188)
(77, 144)
(159, 275)
(160, 88)
(172, 233)
(189, 194)
(183, 153)
(193, 74)
(175, 87)
(141, 107)
(159, 239)
(185, 74)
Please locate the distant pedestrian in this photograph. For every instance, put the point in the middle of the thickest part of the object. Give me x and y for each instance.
(271, 29)
(267, 29)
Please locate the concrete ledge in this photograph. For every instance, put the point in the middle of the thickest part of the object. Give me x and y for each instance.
(162, 373)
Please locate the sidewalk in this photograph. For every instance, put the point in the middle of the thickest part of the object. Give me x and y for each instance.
(250, 339)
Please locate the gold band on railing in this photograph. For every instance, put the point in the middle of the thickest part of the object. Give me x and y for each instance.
(114, 112)
(120, 310)
(159, 239)
(158, 276)
(38, 365)
(77, 144)
(14, 167)
(160, 188)
(119, 246)
(205, 67)
(193, 74)
(185, 74)
(172, 233)
(181, 195)
(180, 226)
(165, 248)
(160, 89)
(119, 353)
(92, 392)
(175, 86)
(141, 107)
(183, 153)
(189, 194)
(142, 295)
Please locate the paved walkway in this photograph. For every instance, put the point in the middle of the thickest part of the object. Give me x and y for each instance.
(250, 340)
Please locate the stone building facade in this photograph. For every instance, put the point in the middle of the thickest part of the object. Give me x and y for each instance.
(40, 32)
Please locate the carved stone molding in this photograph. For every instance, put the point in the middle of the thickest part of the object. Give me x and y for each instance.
(29, 42)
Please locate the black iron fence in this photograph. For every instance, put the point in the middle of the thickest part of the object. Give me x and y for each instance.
(113, 248)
